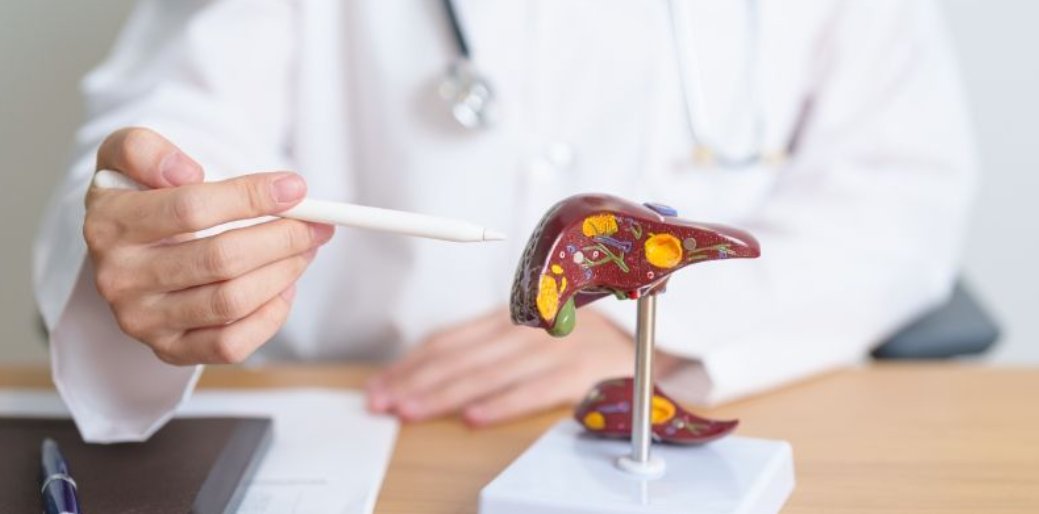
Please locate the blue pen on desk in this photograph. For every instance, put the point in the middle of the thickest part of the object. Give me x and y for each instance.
(56, 484)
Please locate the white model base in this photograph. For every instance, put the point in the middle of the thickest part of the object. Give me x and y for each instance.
(567, 472)
(653, 468)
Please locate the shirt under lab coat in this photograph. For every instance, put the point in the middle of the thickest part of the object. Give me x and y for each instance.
(860, 227)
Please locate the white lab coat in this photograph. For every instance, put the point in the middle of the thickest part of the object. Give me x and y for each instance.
(860, 228)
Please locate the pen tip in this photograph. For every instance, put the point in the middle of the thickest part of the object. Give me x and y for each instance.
(493, 235)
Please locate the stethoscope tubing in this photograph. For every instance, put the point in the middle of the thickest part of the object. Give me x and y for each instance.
(689, 77)
(457, 34)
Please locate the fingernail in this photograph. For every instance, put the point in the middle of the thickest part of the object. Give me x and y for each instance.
(378, 401)
(289, 188)
(321, 233)
(410, 409)
(177, 169)
(474, 416)
(290, 293)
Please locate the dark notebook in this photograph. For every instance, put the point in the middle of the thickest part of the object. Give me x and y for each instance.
(192, 465)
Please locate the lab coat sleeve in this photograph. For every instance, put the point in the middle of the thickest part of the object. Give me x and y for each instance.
(213, 78)
(861, 233)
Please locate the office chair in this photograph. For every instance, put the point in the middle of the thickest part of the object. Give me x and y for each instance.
(960, 327)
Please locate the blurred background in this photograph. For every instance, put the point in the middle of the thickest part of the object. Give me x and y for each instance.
(47, 45)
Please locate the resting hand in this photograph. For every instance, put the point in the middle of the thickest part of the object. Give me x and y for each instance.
(194, 300)
(492, 371)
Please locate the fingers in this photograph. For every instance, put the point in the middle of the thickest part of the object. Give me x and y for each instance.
(458, 336)
(226, 302)
(385, 387)
(148, 158)
(437, 370)
(157, 319)
(521, 399)
(506, 372)
(460, 390)
(154, 215)
(194, 301)
(228, 255)
(229, 344)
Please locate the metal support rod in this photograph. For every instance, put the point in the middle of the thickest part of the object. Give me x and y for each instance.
(641, 436)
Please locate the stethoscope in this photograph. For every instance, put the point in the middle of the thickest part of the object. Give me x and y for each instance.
(472, 102)
(468, 93)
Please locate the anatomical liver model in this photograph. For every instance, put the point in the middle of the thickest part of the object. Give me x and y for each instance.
(606, 412)
(591, 246)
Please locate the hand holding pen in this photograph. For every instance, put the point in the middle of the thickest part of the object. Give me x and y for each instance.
(216, 299)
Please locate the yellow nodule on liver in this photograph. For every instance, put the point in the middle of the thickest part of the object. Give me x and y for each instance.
(599, 225)
(594, 421)
(663, 410)
(548, 298)
(663, 250)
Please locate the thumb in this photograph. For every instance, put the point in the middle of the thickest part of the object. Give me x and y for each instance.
(147, 158)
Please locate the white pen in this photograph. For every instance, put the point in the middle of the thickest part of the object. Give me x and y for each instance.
(357, 216)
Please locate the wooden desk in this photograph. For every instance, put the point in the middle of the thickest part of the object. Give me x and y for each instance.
(929, 439)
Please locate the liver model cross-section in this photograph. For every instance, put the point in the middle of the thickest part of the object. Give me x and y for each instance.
(590, 246)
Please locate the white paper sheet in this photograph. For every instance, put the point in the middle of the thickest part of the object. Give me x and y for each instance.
(328, 454)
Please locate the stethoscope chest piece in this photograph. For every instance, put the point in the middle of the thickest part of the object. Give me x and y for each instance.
(466, 91)
(469, 95)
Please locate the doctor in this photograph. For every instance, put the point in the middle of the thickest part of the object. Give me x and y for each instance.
(832, 130)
